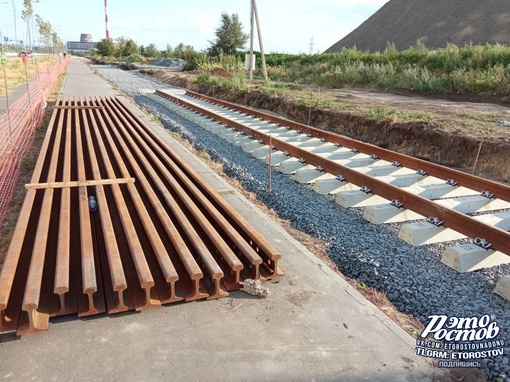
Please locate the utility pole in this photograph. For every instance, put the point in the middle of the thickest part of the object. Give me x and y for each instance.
(2, 40)
(15, 29)
(250, 63)
(311, 46)
(256, 14)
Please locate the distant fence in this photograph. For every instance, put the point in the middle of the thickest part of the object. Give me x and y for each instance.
(18, 125)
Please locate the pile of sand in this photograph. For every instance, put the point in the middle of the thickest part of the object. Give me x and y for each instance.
(433, 22)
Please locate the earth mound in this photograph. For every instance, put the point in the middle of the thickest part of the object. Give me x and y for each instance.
(433, 22)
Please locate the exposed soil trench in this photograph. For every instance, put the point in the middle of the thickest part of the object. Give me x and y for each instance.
(455, 147)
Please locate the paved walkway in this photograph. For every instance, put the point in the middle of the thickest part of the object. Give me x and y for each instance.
(313, 327)
(12, 97)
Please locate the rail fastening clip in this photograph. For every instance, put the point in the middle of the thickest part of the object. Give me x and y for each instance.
(435, 220)
(487, 194)
(482, 243)
(397, 203)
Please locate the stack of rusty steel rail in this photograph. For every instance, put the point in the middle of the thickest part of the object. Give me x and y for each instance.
(114, 220)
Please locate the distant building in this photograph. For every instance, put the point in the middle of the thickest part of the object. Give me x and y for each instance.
(84, 37)
(86, 44)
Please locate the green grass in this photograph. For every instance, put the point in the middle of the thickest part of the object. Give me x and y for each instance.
(472, 69)
(384, 113)
(15, 72)
(28, 163)
(479, 117)
(454, 70)
(316, 99)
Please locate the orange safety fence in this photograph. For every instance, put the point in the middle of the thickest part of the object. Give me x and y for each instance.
(18, 125)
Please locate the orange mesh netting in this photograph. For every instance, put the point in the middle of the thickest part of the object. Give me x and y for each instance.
(17, 128)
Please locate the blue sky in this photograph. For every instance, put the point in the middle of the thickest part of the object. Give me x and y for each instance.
(288, 26)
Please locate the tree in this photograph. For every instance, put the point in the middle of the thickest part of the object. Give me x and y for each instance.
(130, 48)
(45, 29)
(58, 45)
(168, 52)
(27, 14)
(152, 51)
(181, 51)
(229, 36)
(121, 42)
(106, 47)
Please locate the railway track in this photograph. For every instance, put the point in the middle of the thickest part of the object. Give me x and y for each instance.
(114, 220)
(442, 204)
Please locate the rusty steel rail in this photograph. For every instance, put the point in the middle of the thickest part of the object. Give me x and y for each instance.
(213, 200)
(160, 233)
(499, 190)
(455, 220)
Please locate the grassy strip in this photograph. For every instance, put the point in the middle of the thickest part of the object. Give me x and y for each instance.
(472, 69)
(15, 70)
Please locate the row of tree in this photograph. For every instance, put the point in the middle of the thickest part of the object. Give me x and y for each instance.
(48, 35)
(229, 38)
(125, 47)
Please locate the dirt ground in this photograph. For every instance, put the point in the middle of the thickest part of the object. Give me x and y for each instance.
(467, 133)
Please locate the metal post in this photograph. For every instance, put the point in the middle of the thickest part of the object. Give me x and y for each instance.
(15, 28)
(36, 59)
(7, 102)
(28, 85)
(178, 115)
(478, 155)
(259, 32)
(251, 40)
(270, 164)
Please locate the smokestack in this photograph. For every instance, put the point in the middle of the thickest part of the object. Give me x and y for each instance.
(106, 18)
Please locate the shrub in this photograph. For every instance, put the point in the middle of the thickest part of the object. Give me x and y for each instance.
(135, 57)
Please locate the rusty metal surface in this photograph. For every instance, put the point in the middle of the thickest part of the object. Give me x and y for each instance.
(160, 233)
(458, 221)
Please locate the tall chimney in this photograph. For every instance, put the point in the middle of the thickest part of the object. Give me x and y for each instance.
(106, 18)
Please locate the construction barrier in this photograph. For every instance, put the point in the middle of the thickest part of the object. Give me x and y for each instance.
(17, 128)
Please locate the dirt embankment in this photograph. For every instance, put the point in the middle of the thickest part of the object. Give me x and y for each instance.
(423, 140)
